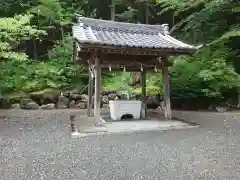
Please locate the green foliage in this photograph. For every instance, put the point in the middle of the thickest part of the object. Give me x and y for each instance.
(13, 32)
(50, 11)
(204, 20)
(226, 36)
(207, 74)
(120, 82)
(30, 76)
(150, 90)
(184, 80)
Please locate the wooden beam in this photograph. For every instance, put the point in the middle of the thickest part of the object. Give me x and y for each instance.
(120, 58)
(90, 91)
(144, 92)
(137, 50)
(129, 61)
(97, 97)
(127, 69)
(167, 102)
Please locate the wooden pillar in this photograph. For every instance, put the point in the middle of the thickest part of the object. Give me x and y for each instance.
(90, 91)
(167, 102)
(113, 10)
(97, 97)
(143, 84)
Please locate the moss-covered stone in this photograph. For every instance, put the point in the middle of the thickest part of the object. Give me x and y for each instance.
(5, 103)
(46, 96)
(15, 97)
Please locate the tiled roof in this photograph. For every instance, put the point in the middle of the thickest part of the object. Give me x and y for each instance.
(111, 33)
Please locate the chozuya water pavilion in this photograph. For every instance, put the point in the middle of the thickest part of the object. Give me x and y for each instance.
(103, 45)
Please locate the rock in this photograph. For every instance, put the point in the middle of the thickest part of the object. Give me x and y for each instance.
(25, 101)
(32, 105)
(105, 106)
(72, 104)
(75, 96)
(81, 105)
(48, 106)
(62, 102)
(16, 106)
(106, 93)
(123, 97)
(5, 103)
(113, 97)
(85, 99)
(28, 103)
(47, 96)
(16, 97)
(105, 99)
(159, 109)
(222, 109)
(153, 101)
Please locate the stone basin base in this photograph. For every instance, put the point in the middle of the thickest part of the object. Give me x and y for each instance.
(119, 108)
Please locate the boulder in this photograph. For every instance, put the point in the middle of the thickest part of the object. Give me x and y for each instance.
(113, 96)
(106, 93)
(72, 104)
(105, 106)
(47, 96)
(75, 96)
(16, 106)
(84, 97)
(16, 97)
(222, 109)
(123, 97)
(105, 99)
(48, 106)
(153, 101)
(81, 105)
(85, 100)
(5, 103)
(62, 102)
(28, 103)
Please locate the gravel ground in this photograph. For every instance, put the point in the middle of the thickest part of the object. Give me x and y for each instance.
(38, 146)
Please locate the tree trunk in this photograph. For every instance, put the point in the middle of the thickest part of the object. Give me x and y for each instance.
(135, 77)
(35, 56)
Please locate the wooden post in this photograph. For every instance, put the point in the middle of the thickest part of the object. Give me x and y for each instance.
(97, 91)
(113, 11)
(146, 12)
(90, 91)
(167, 103)
(144, 106)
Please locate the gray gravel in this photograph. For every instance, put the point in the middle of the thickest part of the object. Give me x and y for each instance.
(38, 146)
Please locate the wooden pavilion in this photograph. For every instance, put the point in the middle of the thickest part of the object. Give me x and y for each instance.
(103, 45)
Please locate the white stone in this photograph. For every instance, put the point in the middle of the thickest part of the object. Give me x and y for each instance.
(118, 108)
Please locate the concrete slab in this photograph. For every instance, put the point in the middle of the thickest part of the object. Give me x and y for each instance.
(154, 122)
(133, 126)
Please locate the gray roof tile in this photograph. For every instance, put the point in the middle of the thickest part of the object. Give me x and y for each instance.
(112, 33)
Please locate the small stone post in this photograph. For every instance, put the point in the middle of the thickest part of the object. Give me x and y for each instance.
(74, 130)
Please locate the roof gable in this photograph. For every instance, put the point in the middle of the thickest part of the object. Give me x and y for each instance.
(120, 34)
(106, 25)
